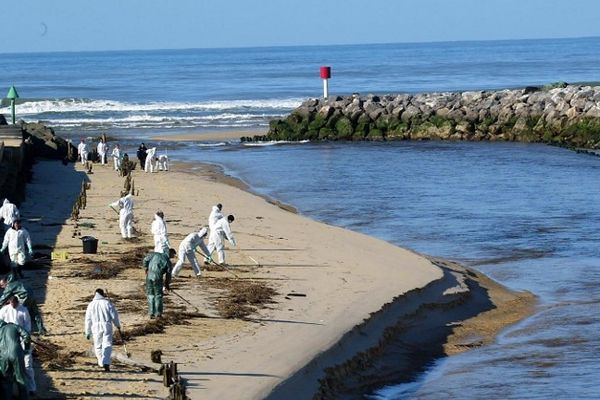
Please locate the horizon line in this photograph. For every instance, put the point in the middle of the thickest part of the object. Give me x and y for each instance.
(301, 45)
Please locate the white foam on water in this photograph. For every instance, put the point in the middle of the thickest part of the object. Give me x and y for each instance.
(219, 144)
(96, 106)
(274, 142)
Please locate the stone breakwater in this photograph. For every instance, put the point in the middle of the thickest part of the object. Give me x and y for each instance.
(561, 114)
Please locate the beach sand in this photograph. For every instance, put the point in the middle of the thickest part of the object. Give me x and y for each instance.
(337, 292)
(214, 136)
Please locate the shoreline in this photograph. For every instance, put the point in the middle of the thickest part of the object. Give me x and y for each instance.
(209, 136)
(293, 345)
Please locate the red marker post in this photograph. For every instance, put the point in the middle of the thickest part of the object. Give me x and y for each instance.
(325, 75)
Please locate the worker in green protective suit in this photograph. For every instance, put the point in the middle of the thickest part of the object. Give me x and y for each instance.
(156, 265)
(14, 287)
(14, 342)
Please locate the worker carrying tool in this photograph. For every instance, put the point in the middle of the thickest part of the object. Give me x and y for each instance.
(156, 266)
(125, 206)
(100, 316)
(187, 250)
(221, 230)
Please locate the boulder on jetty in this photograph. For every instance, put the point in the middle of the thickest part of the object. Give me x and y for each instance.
(46, 144)
(559, 114)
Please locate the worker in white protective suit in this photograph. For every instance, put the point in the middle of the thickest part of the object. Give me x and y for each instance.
(162, 162)
(9, 212)
(16, 313)
(149, 163)
(159, 230)
(187, 250)
(116, 156)
(18, 242)
(125, 206)
(215, 215)
(82, 150)
(220, 231)
(100, 317)
(102, 150)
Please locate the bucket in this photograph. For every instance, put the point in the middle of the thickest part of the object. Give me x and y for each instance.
(90, 245)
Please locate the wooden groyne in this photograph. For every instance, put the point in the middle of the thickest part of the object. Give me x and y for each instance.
(557, 114)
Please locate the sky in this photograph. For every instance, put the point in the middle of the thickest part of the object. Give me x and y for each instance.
(92, 25)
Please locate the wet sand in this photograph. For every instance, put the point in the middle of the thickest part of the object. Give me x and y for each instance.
(338, 292)
(215, 136)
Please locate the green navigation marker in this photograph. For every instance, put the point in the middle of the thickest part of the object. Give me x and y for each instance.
(12, 96)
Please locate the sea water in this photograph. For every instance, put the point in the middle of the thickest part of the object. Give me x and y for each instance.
(134, 93)
(523, 214)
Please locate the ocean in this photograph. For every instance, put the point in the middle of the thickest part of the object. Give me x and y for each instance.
(524, 214)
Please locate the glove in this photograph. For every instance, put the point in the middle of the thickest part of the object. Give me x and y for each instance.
(209, 259)
(88, 336)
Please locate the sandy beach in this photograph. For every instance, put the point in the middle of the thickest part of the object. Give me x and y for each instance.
(331, 298)
(210, 136)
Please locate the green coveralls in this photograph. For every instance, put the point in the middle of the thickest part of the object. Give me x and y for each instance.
(15, 287)
(12, 360)
(156, 265)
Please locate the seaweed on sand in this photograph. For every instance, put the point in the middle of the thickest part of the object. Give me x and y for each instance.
(242, 298)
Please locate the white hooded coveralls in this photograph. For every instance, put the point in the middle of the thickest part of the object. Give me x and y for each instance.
(20, 316)
(159, 230)
(162, 162)
(125, 204)
(214, 216)
(9, 212)
(221, 230)
(102, 149)
(99, 319)
(116, 156)
(187, 248)
(82, 150)
(149, 165)
(19, 245)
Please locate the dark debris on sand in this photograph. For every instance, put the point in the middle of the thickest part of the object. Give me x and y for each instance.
(242, 298)
(52, 357)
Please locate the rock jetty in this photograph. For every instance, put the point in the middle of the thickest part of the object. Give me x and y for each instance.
(560, 114)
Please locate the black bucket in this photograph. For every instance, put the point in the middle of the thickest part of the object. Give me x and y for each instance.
(90, 245)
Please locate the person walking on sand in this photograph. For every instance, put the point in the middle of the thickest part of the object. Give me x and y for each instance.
(116, 156)
(125, 206)
(221, 230)
(100, 316)
(187, 250)
(159, 230)
(156, 266)
(102, 150)
(18, 242)
(149, 163)
(9, 212)
(141, 155)
(16, 313)
(82, 150)
(12, 286)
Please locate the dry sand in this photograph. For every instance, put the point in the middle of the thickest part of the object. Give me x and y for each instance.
(328, 280)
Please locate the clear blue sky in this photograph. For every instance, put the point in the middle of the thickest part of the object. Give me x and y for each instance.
(74, 25)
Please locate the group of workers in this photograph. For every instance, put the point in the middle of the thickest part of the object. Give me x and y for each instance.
(149, 160)
(17, 310)
(101, 314)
